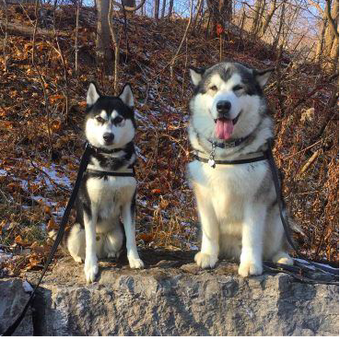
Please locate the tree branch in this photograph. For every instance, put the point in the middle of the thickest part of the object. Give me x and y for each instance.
(330, 19)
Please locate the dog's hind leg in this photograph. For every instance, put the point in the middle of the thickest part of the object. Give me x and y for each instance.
(76, 243)
(113, 242)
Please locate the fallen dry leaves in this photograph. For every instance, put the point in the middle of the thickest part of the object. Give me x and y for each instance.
(41, 143)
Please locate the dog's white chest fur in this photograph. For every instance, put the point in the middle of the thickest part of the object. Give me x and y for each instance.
(108, 195)
(227, 188)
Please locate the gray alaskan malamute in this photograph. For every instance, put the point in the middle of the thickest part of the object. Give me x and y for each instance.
(105, 199)
(237, 203)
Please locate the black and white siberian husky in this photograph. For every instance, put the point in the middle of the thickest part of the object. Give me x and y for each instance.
(106, 202)
(237, 203)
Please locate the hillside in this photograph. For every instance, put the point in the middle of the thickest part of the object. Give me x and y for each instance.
(42, 111)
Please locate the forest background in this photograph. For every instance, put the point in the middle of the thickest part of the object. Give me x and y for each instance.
(51, 50)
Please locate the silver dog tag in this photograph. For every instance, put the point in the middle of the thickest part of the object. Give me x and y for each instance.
(211, 162)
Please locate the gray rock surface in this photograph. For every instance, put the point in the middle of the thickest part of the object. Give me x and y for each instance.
(173, 297)
(12, 301)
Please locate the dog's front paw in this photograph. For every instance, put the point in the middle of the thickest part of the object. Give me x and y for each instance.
(136, 263)
(204, 260)
(91, 271)
(248, 268)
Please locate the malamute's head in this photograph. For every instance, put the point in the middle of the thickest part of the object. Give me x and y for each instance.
(110, 122)
(228, 101)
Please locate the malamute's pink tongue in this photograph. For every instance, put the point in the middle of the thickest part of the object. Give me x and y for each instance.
(224, 128)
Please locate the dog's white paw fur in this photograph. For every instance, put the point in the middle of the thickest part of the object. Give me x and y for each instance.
(78, 259)
(283, 258)
(204, 260)
(91, 271)
(248, 268)
(136, 263)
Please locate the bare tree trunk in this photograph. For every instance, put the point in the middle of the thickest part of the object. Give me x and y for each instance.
(4, 47)
(76, 48)
(199, 7)
(268, 18)
(163, 9)
(321, 41)
(282, 19)
(221, 12)
(171, 7)
(243, 17)
(331, 34)
(333, 15)
(261, 17)
(103, 32)
(156, 10)
(116, 40)
(256, 18)
(172, 63)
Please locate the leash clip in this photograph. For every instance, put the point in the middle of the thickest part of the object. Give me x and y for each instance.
(211, 161)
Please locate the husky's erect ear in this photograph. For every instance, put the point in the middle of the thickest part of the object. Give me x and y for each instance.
(263, 76)
(127, 96)
(92, 94)
(196, 74)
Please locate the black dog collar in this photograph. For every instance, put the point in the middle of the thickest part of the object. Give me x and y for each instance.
(250, 158)
(229, 143)
(103, 150)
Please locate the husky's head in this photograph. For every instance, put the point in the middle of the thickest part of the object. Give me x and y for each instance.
(110, 120)
(228, 101)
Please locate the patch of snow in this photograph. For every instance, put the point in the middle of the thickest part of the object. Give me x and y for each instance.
(27, 287)
(4, 256)
(3, 172)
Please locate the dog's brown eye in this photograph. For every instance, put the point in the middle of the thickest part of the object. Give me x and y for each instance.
(100, 120)
(237, 88)
(117, 120)
(213, 88)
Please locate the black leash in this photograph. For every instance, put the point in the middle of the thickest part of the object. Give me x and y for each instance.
(334, 272)
(82, 167)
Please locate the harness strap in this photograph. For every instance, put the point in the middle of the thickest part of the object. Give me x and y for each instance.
(111, 173)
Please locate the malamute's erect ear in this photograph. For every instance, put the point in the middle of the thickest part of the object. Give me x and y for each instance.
(196, 74)
(92, 94)
(127, 96)
(263, 76)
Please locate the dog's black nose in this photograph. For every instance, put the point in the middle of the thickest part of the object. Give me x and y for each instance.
(108, 137)
(223, 107)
